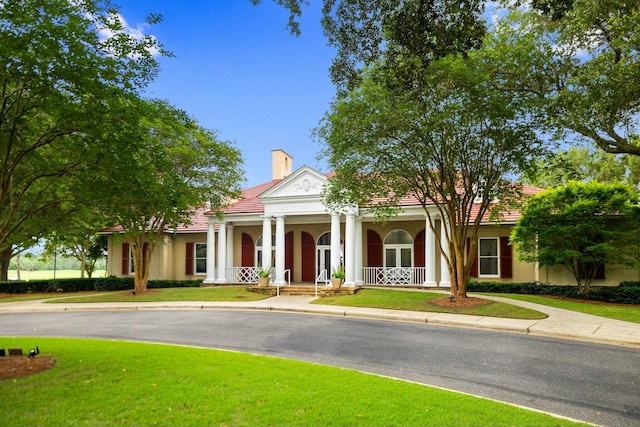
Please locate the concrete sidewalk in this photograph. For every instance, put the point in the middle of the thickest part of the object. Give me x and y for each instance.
(560, 323)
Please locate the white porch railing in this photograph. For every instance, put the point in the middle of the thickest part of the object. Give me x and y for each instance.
(373, 276)
(395, 276)
(242, 274)
(250, 275)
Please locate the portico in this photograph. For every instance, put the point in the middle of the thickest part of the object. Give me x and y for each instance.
(292, 233)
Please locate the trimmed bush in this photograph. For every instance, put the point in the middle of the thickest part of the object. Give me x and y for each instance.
(99, 284)
(627, 293)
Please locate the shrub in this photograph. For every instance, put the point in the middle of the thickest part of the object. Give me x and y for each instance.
(98, 284)
(626, 293)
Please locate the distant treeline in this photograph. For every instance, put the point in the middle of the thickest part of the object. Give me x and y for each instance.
(30, 262)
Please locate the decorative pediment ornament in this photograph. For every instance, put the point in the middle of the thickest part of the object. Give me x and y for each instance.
(307, 185)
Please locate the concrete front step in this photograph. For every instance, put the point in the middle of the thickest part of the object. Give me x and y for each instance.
(310, 290)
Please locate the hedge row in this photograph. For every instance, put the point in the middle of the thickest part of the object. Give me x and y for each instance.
(627, 293)
(98, 284)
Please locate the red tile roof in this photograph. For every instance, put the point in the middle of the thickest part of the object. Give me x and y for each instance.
(249, 203)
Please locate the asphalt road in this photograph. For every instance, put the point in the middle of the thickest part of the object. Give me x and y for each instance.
(591, 382)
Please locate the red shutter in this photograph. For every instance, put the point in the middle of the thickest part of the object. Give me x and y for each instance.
(474, 265)
(189, 259)
(506, 258)
(288, 253)
(125, 259)
(248, 251)
(308, 257)
(374, 249)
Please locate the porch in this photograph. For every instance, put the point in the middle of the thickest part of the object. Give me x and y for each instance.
(371, 276)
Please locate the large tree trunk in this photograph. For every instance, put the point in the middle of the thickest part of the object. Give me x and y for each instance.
(142, 252)
(5, 259)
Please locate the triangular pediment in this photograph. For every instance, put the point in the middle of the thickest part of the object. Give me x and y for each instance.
(303, 183)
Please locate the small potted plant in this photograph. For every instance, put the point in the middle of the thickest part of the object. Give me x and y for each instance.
(337, 277)
(264, 276)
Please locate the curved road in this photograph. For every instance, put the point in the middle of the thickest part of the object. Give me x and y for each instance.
(586, 381)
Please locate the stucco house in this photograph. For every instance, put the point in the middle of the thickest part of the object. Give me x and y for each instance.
(283, 224)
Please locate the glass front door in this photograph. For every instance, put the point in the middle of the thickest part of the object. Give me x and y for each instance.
(323, 260)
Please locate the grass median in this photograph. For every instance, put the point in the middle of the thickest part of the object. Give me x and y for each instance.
(108, 383)
(393, 299)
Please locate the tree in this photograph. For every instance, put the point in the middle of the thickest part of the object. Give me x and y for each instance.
(584, 164)
(451, 146)
(179, 166)
(83, 244)
(364, 30)
(416, 115)
(576, 61)
(582, 227)
(65, 97)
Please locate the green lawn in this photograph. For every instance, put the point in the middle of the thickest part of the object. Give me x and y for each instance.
(629, 313)
(222, 293)
(394, 299)
(112, 383)
(419, 301)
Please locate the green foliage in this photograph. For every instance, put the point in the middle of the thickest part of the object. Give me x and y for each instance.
(265, 272)
(339, 273)
(407, 34)
(574, 63)
(98, 284)
(625, 293)
(583, 164)
(180, 168)
(581, 227)
(70, 82)
(30, 262)
(448, 142)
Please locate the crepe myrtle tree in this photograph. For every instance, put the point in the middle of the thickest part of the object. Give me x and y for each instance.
(582, 227)
(450, 144)
(180, 167)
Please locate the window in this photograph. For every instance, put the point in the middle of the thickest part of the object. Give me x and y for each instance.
(489, 257)
(259, 252)
(398, 249)
(200, 258)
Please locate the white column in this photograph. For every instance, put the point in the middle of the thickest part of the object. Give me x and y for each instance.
(279, 274)
(445, 280)
(335, 243)
(266, 242)
(211, 252)
(222, 252)
(358, 247)
(349, 250)
(229, 245)
(429, 256)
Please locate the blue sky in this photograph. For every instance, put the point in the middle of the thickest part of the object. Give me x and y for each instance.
(239, 71)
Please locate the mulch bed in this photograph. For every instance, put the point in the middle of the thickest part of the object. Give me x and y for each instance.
(459, 302)
(18, 366)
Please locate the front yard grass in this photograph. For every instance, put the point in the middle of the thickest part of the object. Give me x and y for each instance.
(222, 293)
(112, 383)
(417, 301)
(626, 312)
